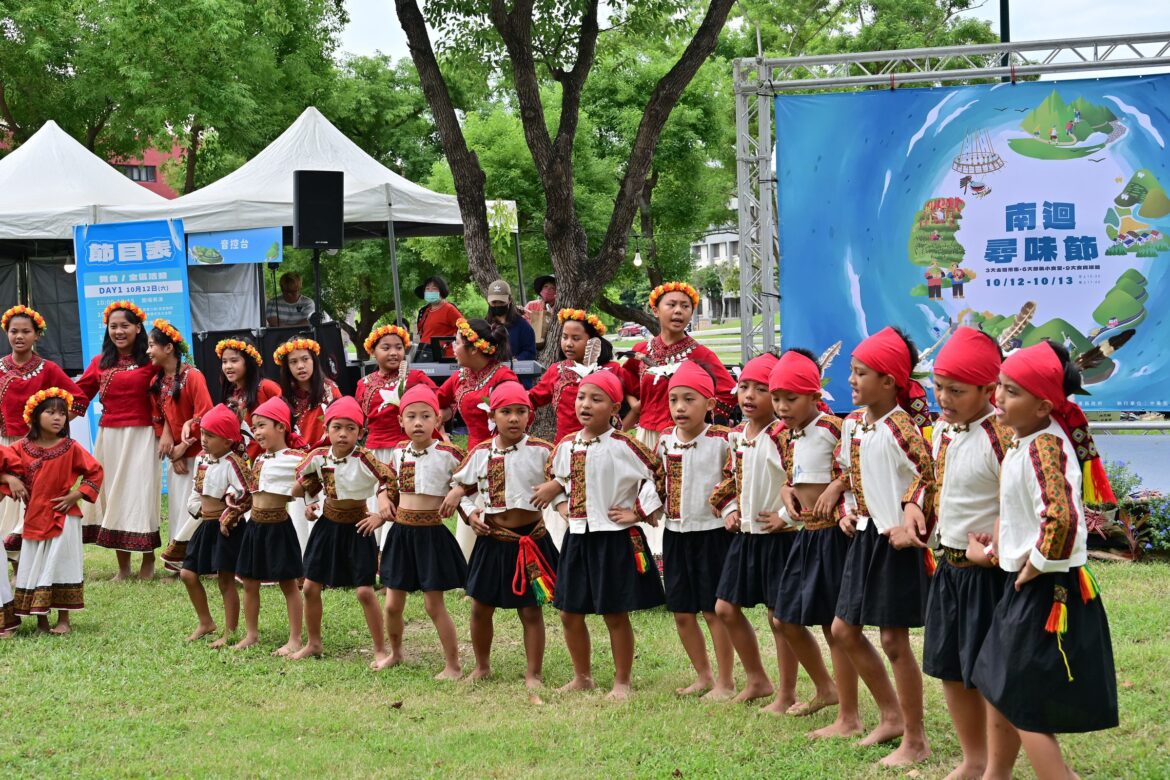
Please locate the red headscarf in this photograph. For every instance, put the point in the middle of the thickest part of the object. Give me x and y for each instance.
(608, 382)
(222, 422)
(886, 353)
(276, 409)
(691, 374)
(796, 373)
(509, 393)
(345, 408)
(419, 394)
(970, 357)
(1038, 370)
(759, 368)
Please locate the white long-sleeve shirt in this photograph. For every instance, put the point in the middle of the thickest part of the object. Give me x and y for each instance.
(612, 470)
(688, 473)
(276, 472)
(426, 472)
(809, 455)
(966, 466)
(221, 478)
(752, 476)
(888, 464)
(1041, 514)
(355, 477)
(503, 478)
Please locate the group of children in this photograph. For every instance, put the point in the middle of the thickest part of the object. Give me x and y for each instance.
(827, 522)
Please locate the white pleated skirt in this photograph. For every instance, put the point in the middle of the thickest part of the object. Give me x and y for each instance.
(129, 505)
(179, 487)
(383, 454)
(11, 517)
(653, 535)
(50, 575)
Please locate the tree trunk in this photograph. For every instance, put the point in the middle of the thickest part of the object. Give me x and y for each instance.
(645, 206)
(192, 158)
(10, 122)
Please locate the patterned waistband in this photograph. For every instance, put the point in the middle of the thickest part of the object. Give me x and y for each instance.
(268, 516)
(811, 522)
(418, 517)
(344, 516)
(955, 557)
(207, 518)
(508, 535)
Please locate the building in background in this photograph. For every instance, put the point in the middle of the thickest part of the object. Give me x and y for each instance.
(718, 250)
(147, 169)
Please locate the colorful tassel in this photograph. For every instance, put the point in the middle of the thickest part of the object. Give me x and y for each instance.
(533, 571)
(1089, 587)
(1095, 485)
(641, 562)
(931, 564)
(1058, 623)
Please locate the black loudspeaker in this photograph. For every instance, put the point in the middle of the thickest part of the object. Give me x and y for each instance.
(318, 209)
(207, 362)
(333, 356)
(270, 339)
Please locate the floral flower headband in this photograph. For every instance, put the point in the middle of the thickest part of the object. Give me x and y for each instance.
(472, 338)
(580, 315)
(129, 306)
(23, 311)
(670, 287)
(386, 330)
(239, 346)
(292, 345)
(172, 333)
(43, 395)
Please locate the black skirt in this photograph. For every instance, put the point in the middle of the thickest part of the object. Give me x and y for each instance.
(692, 564)
(882, 586)
(491, 572)
(597, 574)
(1021, 669)
(270, 552)
(422, 557)
(210, 552)
(959, 607)
(811, 582)
(752, 569)
(337, 556)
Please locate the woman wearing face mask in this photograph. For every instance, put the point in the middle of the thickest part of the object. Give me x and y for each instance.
(501, 309)
(435, 320)
(542, 310)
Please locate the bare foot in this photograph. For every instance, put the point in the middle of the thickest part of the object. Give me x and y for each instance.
(966, 771)
(310, 650)
(839, 728)
(247, 641)
(883, 732)
(818, 703)
(146, 572)
(780, 705)
(906, 755)
(8, 634)
(578, 684)
(694, 689)
(479, 674)
(121, 576)
(753, 691)
(533, 682)
(534, 698)
(384, 660)
(719, 693)
(287, 649)
(221, 642)
(620, 692)
(203, 630)
(449, 673)
(61, 628)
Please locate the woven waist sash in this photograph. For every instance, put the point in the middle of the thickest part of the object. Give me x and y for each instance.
(268, 516)
(420, 517)
(508, 535)
(955, 557)
(341, 516)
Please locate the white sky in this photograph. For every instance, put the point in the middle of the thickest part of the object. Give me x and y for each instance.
(374, 27)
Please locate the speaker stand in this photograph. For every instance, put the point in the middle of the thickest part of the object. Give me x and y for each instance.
(315, 320)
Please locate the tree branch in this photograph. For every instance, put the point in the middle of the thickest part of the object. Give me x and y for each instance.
(515, 30)
(627, 313)
(465, 168)
(9, 120)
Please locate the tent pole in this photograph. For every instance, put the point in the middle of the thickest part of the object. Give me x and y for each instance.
(392, 240)
(315, 320)
(520, 270)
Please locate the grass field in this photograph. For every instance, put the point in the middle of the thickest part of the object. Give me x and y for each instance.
(125, 696)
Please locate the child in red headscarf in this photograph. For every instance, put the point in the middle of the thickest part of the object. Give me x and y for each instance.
(887, 470)
(1046, 666)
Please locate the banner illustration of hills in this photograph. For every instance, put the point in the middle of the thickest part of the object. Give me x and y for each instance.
(1052, 138)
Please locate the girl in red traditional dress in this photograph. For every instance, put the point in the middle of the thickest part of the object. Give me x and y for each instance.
(480, 348)
(241, 386)
(22, 374)
(307, 391)
(57, 473)
(178, 395)
(130, 503)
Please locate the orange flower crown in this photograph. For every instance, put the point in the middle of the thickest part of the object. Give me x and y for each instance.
(292, 345)
(580, 315)
(670, 287)
(386, 330)
(468, 332)
(23, 311)
(43, 395)
(238, 346)
(129, 306)
(172, 333)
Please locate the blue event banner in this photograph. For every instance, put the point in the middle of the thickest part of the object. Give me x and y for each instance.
(258, 245)
(1031, 211)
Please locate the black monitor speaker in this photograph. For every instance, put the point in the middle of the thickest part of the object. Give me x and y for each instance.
(318, 209)
(206, 360)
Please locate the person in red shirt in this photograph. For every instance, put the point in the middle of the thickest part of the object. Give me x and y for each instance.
(130, 502)
(178, 395)
(654, 362)
(559, 384)
(57, 474)
(378, 393)
(438, 319)
(241, 386)
(480, 349)
(23, 373)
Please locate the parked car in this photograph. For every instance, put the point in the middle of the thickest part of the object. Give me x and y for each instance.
(631, 330)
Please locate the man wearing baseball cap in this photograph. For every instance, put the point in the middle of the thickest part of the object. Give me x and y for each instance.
(542, 310)
(521, 338)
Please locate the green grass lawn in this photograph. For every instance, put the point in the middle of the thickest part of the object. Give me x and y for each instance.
(124, 695)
